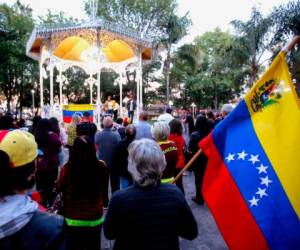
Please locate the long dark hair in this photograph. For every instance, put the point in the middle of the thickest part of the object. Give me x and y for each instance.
(202, 126)
(175, 127)
(54, 125)
(41, 133)
(84, 167)
(190, 121)
(35, 121)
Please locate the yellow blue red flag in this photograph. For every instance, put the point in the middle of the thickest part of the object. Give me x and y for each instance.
(71, 109)
(252, 182)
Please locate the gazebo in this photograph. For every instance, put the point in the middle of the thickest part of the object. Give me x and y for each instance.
(91, 46)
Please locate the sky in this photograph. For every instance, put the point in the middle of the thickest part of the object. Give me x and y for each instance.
(205, 14)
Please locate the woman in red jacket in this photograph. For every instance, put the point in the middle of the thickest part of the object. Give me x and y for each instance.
(177, 138)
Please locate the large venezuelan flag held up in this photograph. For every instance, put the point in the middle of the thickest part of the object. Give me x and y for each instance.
(71, 109)
(252, 182)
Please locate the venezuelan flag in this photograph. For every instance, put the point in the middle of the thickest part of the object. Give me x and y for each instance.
(252, 182)
(71, 109)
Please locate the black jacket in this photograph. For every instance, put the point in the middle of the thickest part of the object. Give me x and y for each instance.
(44, 231)
(120, 161)
(150, 218)
(193, 147)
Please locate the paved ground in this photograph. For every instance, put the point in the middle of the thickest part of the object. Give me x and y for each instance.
(209, 236)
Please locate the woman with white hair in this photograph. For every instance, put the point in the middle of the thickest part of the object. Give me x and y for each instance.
(161, 132)
(148, 215)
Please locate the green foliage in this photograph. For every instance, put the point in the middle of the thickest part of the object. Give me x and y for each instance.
(286, 22)
(254, 38)
(56, 18)
(204, 69)
(17, 71)
(146, 16)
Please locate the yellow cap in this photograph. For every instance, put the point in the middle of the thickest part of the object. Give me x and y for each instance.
(19, 145)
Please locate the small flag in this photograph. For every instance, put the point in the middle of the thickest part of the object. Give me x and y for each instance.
(71, 109)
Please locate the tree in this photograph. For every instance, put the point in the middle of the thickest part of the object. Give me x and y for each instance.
(253, 38)
(145, 16)
(152, 18)
(286, 20)
(56, 18)
(17, 71)
(175, 29)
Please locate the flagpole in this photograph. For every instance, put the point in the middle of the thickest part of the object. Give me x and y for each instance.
(188, 165)
(288, 47)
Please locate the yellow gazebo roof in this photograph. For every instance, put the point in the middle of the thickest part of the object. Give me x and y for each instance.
(72, 48)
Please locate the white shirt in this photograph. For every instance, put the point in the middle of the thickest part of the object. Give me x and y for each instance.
(165, 118)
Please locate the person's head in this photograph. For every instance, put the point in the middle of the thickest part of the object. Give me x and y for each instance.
(175, 127)
(18, 151)
(161, 131)
(146, 162)
(210, 115)
(126, 121)
(130, 132)
(107, 122)
(86, 116)
(6, 122)
(41, 133)
(83, 149)
(169, 110)
(84, 166)
(202, 125)
(35, 121)
(21, 123)
(144, 116)
(190, 121)
(76, 119)
(54, 125)
(119, 121)
(109, 97)
(226, 109)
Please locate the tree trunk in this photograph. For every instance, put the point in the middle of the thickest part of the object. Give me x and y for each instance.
(167, 74)
(216, 96)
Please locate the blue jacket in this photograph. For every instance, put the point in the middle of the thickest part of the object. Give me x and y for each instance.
(44, 231)
(107, 142)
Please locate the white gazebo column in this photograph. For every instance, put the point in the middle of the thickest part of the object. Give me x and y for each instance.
(121, 96)
(60, 92)
(91, 92)
(98, 102)
(140, 73)
(60, 87)
(41, 85)
(138, 96)
(51, 83)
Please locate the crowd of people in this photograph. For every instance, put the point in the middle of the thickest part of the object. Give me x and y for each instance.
(66, 169)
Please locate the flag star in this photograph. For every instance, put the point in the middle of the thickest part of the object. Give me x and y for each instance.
(262, 169)
(230, 157)
(265, 181)
(262, 192)
(254, 158)
(242, 155)
(253, 201)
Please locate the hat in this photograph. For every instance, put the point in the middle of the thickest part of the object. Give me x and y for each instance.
(227, 108)
(19, 145)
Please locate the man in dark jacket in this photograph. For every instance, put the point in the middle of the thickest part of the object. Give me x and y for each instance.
(22, 225)
(148, 215)
(121, 156)
(106, 142)
(131, 107)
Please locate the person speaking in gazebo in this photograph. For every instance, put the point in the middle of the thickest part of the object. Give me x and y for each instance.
(109, 106)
